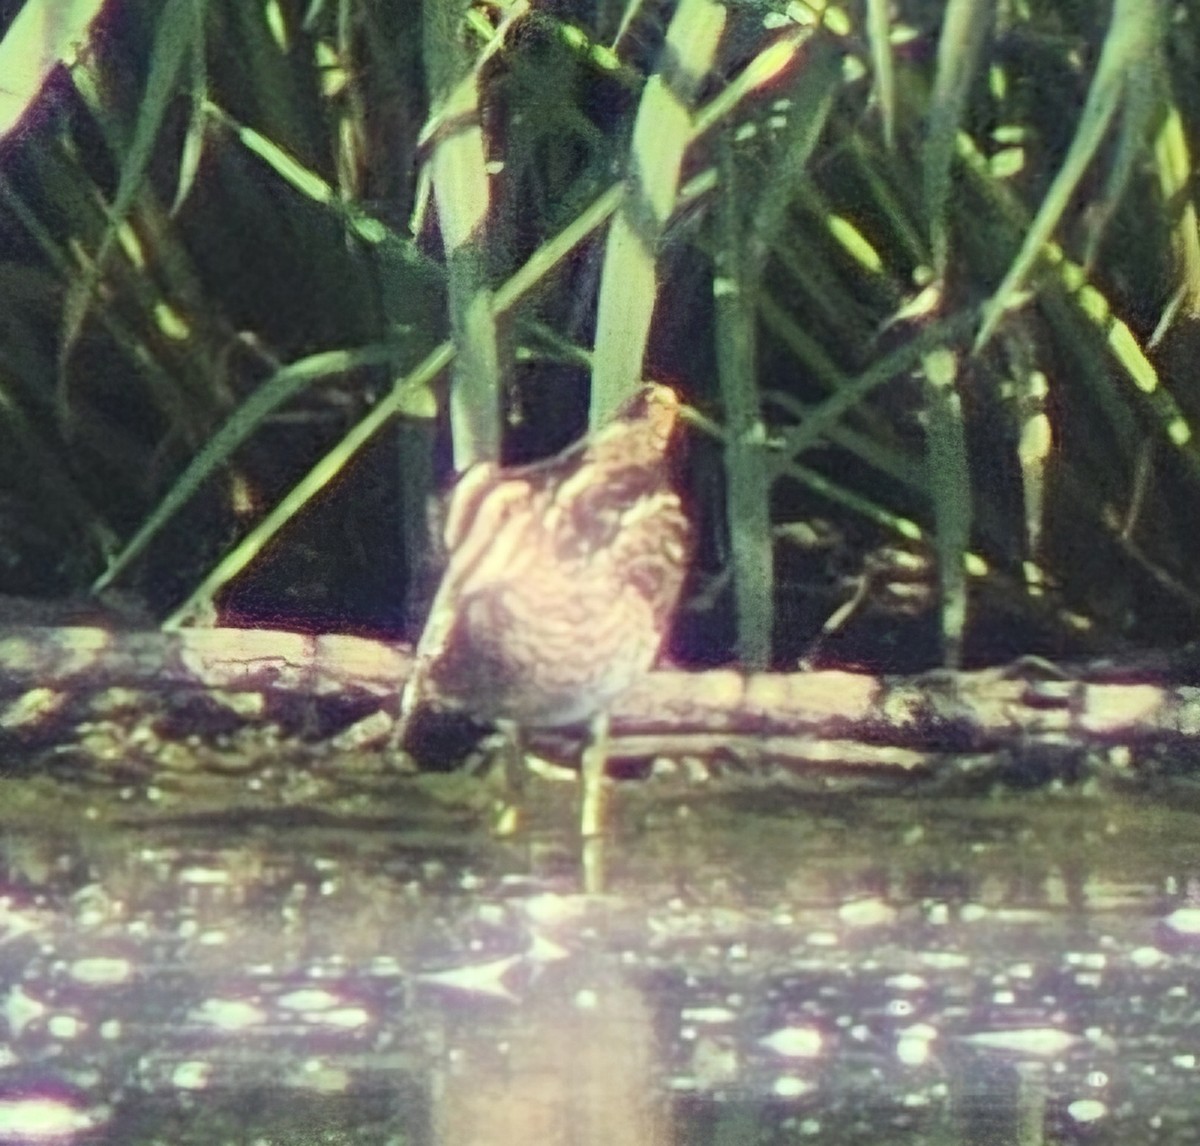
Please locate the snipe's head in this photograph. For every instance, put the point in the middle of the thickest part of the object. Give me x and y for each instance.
(641, 431)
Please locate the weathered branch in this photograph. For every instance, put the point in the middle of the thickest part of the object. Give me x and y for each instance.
(52, 680)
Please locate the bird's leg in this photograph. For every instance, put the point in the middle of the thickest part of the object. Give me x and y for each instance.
(513, 761)
(591, 812)
(593, 767)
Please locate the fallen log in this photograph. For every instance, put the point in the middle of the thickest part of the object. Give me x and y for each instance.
(55, 681)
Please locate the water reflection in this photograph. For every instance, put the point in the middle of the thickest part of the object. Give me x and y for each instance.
(878, 971)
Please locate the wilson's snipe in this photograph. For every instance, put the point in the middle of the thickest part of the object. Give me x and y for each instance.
(561, 580)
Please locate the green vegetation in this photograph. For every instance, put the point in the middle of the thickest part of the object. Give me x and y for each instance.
(928, 273)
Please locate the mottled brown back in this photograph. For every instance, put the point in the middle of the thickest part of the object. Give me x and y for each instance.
(563, 575)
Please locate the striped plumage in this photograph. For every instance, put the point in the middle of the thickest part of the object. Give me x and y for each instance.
(562, 576)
